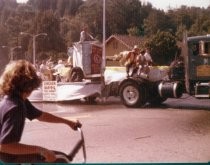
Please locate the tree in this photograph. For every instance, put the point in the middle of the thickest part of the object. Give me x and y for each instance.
(163, 47)
(60, 7)
(63, 20)
(50, 24)
(123, 15)
(158, 21)
(201, 25)
(90, 14)
(71, 29)
(4, 36)
(134, 31)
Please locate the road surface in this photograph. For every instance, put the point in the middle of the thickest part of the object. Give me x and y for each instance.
(178, 131)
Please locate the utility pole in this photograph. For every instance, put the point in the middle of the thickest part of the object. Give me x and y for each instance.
(34, 43)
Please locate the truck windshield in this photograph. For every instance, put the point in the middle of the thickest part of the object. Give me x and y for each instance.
(205, 48)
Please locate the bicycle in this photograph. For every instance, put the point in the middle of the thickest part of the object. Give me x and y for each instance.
(67, 158)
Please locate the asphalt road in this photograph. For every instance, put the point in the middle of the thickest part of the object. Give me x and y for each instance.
(178, 131)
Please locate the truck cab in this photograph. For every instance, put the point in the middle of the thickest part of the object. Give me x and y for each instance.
(196, 52)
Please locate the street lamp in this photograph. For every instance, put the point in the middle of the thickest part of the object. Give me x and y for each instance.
(34, 44)
(12, 51)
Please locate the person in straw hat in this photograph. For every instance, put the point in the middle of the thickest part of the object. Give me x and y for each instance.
(131, 60)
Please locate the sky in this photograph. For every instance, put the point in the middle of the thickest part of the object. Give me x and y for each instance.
(165, 4)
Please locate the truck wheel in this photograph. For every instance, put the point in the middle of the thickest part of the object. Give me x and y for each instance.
(132, 94)
(76, 75)
(91, 100)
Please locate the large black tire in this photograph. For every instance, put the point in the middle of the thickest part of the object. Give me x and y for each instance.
(132, 94)
(91, 100)
(76, 75)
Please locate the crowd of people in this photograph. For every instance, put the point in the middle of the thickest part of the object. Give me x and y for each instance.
(48, 70)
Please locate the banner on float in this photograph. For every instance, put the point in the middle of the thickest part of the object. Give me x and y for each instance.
(49, 90)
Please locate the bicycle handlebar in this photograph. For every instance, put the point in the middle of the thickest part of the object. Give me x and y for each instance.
(81, 143)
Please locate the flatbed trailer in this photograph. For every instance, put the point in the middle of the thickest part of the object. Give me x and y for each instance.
(84, 79)
(51, 91)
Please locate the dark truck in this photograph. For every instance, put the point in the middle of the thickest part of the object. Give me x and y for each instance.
(192, 77)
